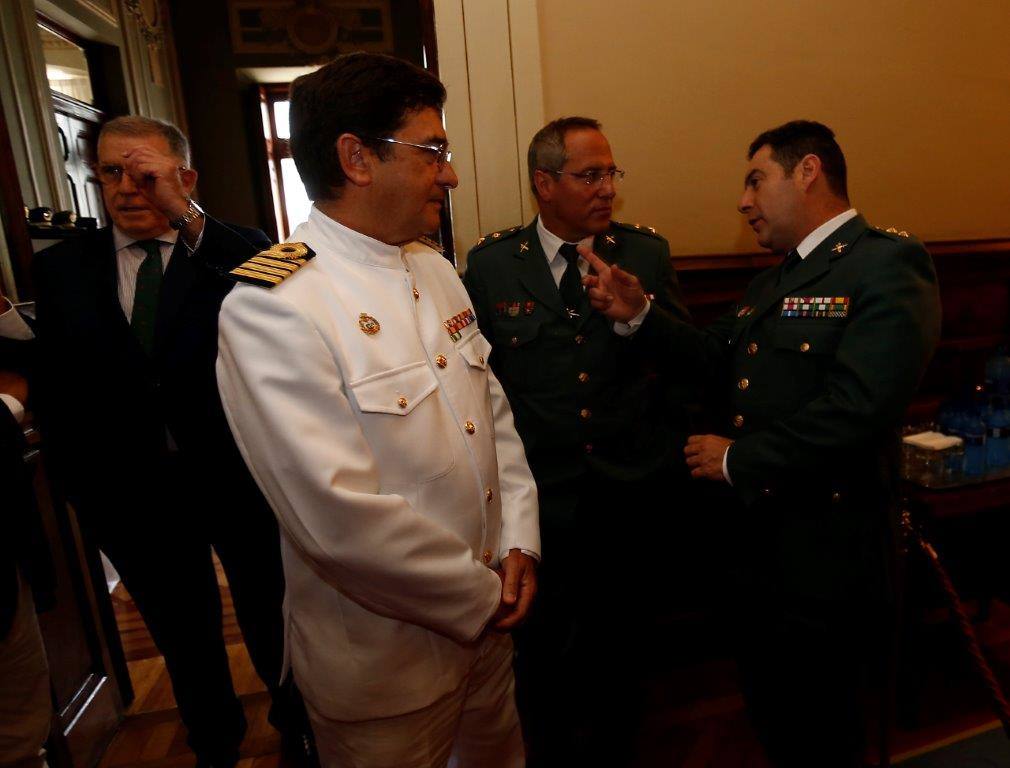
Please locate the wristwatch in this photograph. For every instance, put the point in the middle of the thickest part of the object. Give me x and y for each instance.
(191, 214)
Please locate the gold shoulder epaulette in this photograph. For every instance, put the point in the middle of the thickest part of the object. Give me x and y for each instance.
(893, 231)
(431, 244)
(495, 237)
(641, 228)
(272, 266)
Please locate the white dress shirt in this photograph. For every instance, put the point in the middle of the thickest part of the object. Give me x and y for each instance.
(129, 257)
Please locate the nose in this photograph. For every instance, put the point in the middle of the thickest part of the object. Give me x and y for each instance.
(746, 202)
(447, 176)
(126, 185)
(607, 188)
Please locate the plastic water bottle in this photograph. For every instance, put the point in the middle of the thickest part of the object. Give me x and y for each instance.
(950, 421)
(974, 444)
(997, 373)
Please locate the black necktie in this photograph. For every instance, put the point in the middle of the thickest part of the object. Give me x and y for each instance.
(145, 298)
(789, 263)
(571, 281)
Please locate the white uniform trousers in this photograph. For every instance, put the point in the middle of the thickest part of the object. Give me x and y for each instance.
(25, 705)
(475, 726)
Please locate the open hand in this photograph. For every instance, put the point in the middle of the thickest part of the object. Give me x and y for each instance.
(616, 294)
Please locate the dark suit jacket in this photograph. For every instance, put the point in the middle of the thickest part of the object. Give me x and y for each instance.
(23, 545)
(817, 369)
(103, 404)
(585, 400)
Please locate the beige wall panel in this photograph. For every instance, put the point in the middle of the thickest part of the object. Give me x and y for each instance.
(918, 93)
(452, 67)
(492, 112)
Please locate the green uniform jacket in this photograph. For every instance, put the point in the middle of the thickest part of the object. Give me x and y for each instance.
(584, 398)
(818, 369)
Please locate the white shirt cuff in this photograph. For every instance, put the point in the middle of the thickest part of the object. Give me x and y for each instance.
(12, 325)
(628, 328)
(14, 406)
(531, 553)
(725, 465)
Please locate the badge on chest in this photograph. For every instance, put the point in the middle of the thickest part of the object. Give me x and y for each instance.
(815, 306)
(455, 324)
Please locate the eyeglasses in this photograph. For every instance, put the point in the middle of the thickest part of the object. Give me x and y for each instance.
(110, 175)
(591, 178)
(442, 153)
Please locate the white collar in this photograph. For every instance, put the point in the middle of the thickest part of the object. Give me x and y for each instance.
(353, 245)
(551, 243)
(819, 235)
(122, 240)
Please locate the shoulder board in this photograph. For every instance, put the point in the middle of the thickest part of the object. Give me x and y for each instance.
(272, 266)
(892, 231)
(430, 243)
(495, 237)
(640, 228)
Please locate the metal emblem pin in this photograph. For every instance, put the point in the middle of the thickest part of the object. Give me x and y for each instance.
(368, 324)
(839, 247)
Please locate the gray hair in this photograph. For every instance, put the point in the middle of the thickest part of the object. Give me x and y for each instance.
(547, 148)
(136, 125)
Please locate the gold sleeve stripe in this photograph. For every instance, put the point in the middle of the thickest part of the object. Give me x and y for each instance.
(270, 270)
(291, 266)
(257, 275)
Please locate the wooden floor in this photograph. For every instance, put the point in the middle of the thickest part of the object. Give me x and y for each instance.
(152, 736)
(696, 719)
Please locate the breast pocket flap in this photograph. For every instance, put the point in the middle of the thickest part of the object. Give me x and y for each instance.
(398, 391)
(475, 350)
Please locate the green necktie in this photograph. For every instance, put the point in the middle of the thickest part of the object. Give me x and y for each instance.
(145, 299)
(571, 281)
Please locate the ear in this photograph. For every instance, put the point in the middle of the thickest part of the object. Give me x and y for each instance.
(807, 171)
(188, 178)
(544, 184)
(356, 160)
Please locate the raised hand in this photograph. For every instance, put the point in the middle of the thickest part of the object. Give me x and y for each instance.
(160, 179)
(616, 294)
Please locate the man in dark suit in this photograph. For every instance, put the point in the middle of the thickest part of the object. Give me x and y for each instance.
(599, 428)
(26, 572)
(817, 365)
(128, 402)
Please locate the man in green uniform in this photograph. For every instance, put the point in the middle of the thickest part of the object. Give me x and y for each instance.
(818, 364)
(601, 431)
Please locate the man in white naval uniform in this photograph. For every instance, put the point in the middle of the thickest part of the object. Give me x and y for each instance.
(359, 393)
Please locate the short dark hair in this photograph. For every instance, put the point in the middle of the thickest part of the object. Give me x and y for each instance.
(793, 141)
(137, 125)
(367, 94)
(547, 147)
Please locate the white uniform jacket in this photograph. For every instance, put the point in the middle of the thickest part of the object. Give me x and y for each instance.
(387, 451)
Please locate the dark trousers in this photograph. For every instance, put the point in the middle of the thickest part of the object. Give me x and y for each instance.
(158, 534)
(806, 670)
(581, 658)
